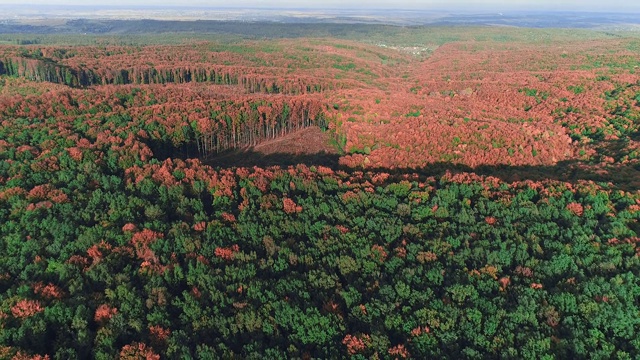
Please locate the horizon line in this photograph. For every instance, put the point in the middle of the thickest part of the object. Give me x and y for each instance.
(479, 9)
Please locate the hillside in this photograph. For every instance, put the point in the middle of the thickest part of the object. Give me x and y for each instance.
(407, 193)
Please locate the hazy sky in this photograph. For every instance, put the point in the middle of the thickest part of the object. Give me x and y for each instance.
(581, 5)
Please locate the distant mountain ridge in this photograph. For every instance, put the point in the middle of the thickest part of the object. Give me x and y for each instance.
(248, 22)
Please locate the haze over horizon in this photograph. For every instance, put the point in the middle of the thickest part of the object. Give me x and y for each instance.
(452, 5)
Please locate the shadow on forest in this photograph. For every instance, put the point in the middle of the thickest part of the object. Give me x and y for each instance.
(621, 176)
(250, 158)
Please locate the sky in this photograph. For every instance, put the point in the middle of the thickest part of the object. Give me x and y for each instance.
(498, 5)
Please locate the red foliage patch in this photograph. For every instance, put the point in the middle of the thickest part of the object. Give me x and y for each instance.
(504, 282)
(48, 291)
(290, 206)
(96, 252)
(40, 192)
(40, 205)
(145, 237)
(399, 351)
(129, 227)
(137, 351)
(524, 271)
(159, 334)
(420, 330)
(378, 253)
(228, 217)
(576, 208)
(26, 308)
(201, 226)
(22, 356)
(75, 153)
(104, 312)
(226, 253)
(356, 344)
(490, 220)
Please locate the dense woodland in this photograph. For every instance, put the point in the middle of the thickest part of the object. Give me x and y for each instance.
(485, 204)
